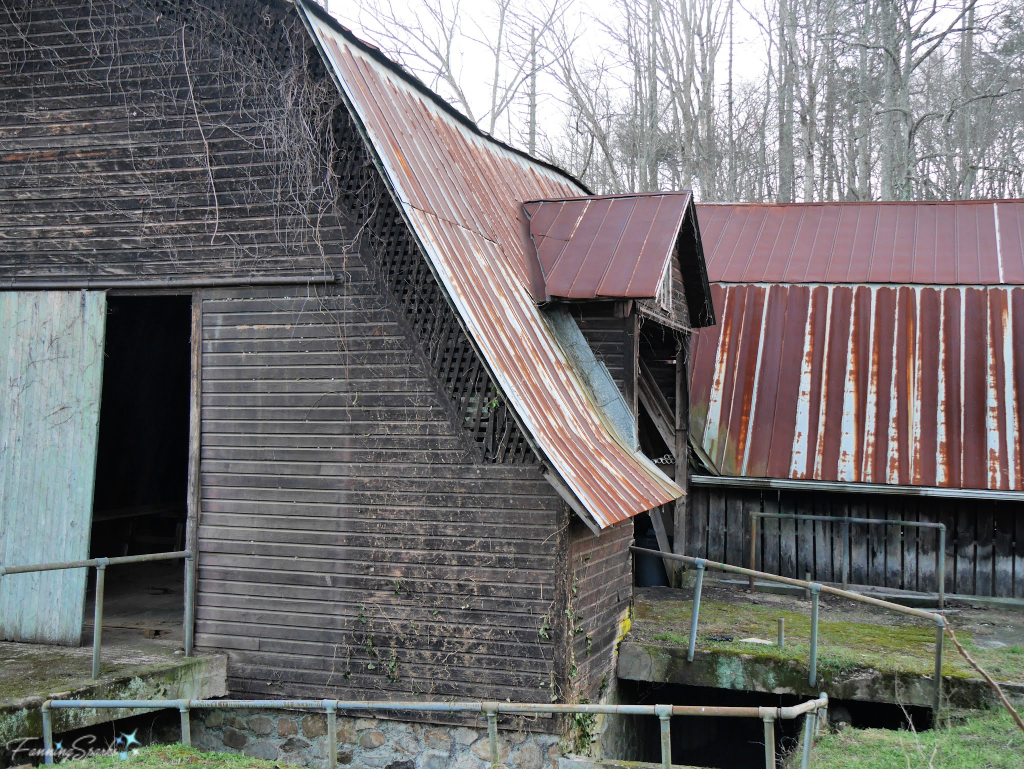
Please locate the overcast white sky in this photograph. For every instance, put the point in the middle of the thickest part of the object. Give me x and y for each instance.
(588, 15)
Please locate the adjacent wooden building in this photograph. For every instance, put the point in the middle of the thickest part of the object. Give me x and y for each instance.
(867, 363)
(392, 408)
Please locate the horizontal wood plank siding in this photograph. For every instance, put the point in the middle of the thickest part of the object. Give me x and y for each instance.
(120, 160)
(600, 590)
(350, 542)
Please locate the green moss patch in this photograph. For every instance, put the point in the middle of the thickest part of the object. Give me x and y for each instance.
(889, 644)
(979, 740)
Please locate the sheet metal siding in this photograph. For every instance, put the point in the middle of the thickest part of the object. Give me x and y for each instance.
(915, 385)
(51, 361)
(943, 243)
(345, 525)
(608, 246)
(463, 196)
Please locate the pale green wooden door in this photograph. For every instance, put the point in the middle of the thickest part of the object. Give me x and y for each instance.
(51, 365)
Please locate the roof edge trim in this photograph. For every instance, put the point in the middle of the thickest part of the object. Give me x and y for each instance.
(423, 88)
(733, 481)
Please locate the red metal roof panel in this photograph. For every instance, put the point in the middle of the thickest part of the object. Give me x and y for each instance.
(607, 246)
(463, 195)
(967, 242)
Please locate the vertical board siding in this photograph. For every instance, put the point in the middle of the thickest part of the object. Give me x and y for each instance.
(984, 540)
(349, 542)
(51, 364)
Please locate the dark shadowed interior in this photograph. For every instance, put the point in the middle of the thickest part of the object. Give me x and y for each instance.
(142, 461)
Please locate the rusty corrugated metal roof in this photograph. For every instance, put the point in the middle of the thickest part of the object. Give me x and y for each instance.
(608, 246)
(874, 382)
(938, 243)
(463, 195)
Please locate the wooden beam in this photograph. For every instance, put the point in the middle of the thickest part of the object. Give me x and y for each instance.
(682, 425)
(671, 567)
(657, 407)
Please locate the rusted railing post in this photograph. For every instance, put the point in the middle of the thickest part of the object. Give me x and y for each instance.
(696, 609)
(815, 589)
(768, 716)
(97, 629)
(186, 726)
(809, 719)
(664, 713)
(492, 733)
(940, 632)
(47, 733)
(331, 706)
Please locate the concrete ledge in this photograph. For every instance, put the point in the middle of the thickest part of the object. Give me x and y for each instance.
(667, 664)
(32, 674)
(914, 600)
(582, 762)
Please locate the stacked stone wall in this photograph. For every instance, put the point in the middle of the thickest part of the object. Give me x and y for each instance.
(301, 738)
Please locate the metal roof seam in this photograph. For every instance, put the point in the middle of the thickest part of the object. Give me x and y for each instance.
(999, 250)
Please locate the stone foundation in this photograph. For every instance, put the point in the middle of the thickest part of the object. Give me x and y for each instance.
(301, 738)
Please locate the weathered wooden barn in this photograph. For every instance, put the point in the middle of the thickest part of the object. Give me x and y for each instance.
(867, 363)
(265, 295)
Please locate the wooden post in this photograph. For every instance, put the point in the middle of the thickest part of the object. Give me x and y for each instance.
(194, 491)
(682, 419)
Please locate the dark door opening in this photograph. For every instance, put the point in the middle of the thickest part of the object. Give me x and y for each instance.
(140, 500)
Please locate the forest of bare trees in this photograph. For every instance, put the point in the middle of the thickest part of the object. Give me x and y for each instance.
(739, 100)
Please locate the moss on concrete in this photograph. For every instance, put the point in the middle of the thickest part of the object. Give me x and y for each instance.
(900, 646)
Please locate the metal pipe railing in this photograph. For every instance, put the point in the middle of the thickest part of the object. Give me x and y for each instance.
(815, 589)
(811, 709)
(846, 566)
(101, 564)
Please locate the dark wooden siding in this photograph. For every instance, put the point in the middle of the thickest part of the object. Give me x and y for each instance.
(984, 539)
(612, 344)
(118, 159)
(350, 544)
(600, 590)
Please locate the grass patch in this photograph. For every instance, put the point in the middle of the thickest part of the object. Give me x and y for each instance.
(173, 755)
(904, 647)
(979, 740)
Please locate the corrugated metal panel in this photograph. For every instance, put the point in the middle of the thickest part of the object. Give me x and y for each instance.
(944, 243)
(606, 246)
(463, 194)
(913, 385)
(51, 362)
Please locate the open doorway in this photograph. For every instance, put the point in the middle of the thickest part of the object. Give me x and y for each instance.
(140, 498)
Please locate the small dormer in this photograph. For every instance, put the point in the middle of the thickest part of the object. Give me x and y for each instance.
(613, 248)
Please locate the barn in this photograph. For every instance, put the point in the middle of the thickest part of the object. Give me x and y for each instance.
(266, 296)
(867, 364)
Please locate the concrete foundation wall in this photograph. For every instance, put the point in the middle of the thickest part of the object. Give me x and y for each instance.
(301, 738)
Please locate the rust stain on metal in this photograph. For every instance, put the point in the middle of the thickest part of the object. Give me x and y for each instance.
(605, 246)
(463, 195)
(939, 243)
(867, 370)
